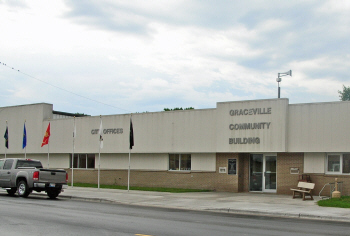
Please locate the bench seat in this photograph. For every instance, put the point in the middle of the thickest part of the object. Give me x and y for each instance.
(303, 190)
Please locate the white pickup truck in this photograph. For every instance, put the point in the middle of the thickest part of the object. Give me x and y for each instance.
(25, 175)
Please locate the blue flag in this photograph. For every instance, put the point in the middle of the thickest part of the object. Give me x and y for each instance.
(24, 136)
(6, 137)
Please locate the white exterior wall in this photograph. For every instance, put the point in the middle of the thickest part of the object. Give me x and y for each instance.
(314, 162)
(159, 132)
(175, 131)
(314, 129)
(203, 162)
(319, 127)
(15, 116)
(137, 161)
(272, 134)
(200, 161)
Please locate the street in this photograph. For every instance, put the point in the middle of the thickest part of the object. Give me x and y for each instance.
(37, 215)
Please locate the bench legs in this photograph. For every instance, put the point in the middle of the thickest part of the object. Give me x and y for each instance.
(297, 194)
(311, 198)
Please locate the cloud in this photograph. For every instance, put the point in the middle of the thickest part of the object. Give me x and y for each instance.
(144, 56)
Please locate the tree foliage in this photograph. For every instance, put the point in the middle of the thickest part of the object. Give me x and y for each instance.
(178, 109)
(345, 94)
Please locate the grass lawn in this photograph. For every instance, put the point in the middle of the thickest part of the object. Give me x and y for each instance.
(343, 202)
(170, 190)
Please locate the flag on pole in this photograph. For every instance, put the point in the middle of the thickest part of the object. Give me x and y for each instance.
(6, 137)
(74, 130)
(46, 136)
(24, 144)
(100, 132)
(131, 138)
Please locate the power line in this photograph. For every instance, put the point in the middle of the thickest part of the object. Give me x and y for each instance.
(65, 90)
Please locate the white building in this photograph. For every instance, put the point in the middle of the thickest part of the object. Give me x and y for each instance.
(259, 145)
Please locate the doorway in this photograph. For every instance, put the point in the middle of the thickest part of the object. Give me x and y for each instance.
(263, 173)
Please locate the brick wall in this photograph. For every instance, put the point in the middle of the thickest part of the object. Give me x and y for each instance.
(192, 180)
(321, 179)
(214, 180)
(170, 179)
(286, 180)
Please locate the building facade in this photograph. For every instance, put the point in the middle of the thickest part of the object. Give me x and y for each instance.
(241, 146)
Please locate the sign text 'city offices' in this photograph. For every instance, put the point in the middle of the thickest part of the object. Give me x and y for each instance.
(249, 126)
(108, 131)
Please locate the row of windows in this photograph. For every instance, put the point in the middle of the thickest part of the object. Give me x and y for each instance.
(87, 161)
(338, 163)
(83, 161)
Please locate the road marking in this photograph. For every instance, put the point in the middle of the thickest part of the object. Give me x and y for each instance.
(143, 235)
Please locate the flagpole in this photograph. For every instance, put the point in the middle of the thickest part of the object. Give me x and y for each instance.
(131, 144)
(73, 151)
(25, 148)
(46, 140)
(99, 159)
(48, 155)
(99, 153)
(129, 171)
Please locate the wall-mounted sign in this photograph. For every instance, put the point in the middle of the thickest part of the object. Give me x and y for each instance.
(222, 170)
(108, 131)
(294, 170)
(254, 140)
(252, 111)
(232, 166)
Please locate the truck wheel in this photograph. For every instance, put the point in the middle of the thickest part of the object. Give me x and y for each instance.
(53, 194)
(11, 191)
(22, 189)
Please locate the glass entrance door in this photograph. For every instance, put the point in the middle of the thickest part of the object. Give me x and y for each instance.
(270, 173)
(256, 172)
(262, 173)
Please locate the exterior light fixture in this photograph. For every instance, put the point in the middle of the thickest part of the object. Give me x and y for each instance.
(279, 79)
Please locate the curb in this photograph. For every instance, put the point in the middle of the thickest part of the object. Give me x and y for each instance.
(284, 215)
(220, 210)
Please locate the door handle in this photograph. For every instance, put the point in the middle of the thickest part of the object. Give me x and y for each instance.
(9, 172)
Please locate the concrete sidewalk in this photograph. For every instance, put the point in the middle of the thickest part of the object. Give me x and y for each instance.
(239, 203)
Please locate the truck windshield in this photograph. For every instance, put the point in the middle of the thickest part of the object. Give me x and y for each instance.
(28, 163)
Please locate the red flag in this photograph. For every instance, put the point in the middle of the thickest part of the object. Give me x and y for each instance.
(47, 136)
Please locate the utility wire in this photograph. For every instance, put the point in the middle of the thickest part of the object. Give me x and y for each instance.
(65, 90)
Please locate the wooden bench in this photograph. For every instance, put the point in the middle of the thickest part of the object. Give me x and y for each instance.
(303, 189)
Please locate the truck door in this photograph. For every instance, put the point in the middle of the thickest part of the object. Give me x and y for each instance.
(5, 173)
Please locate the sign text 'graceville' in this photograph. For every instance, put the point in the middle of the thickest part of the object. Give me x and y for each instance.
(247, 126)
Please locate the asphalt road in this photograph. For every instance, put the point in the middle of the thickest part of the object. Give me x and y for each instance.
(37, 215)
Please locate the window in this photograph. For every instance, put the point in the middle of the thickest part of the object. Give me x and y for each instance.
(1, 163)
(346, 163)
(28, 163)
(179, 161)
(83, 161)
(8, 164)
(338, 163)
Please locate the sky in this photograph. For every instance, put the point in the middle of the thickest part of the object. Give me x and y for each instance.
(116, 57)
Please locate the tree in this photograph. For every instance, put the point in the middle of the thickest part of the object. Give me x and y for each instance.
(177, 109)
(345, 94)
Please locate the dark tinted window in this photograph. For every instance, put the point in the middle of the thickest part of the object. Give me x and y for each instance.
(8, 164)
(28, 163)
